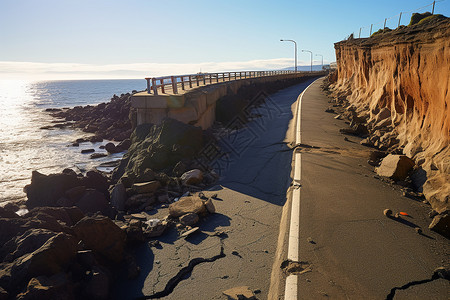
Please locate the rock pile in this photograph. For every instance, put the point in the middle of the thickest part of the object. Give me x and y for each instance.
(111, 120)
(58, 253)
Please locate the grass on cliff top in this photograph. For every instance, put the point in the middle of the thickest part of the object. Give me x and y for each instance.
(380, 31)
(426, 17)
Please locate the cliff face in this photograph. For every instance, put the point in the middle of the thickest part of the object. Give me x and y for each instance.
(400, 81)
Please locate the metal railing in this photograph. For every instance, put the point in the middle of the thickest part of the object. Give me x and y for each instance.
(156, 84)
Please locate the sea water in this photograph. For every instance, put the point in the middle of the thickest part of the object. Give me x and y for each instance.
(25, 147)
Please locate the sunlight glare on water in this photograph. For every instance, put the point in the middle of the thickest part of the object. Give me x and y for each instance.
(25, 147)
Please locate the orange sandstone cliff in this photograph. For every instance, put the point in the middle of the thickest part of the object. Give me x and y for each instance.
(400, 80)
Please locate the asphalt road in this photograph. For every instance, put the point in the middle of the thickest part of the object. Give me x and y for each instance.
(255, 175)
(351, 248)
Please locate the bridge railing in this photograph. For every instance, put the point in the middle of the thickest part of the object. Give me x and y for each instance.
(159, 84)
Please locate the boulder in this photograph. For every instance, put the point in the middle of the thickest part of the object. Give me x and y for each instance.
(4, 213)
(134, 231)
(146, 187)
(158, 147)
(68, 215)
(43, 287)
(27, 242)
(118, 196)
(75, 193)
(189, 204)
(45, 190)
(101, 235)
(210, 206)
(93, 201)
(96, 180)
(192, 177)
(97, 155)
(124, 145)
(139, 201)
(157, 230)
(84, 151)
(111, 148)
(441, 224)
(189, 219)
(395, 167)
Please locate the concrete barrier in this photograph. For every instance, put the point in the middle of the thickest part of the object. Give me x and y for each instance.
(197, 106)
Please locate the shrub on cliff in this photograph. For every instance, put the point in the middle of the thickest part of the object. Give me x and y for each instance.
(417, 17)
(432, 18)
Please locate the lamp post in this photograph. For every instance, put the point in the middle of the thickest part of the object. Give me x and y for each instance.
(322, 59)
(295, 43)
(311, 56)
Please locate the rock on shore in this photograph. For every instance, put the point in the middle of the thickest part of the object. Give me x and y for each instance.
(111, 120)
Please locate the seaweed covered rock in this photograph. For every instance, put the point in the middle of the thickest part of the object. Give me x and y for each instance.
(158, 147)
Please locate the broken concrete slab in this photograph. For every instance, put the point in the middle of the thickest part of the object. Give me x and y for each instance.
(239, 293)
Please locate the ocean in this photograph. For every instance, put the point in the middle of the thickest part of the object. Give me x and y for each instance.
(25, 147)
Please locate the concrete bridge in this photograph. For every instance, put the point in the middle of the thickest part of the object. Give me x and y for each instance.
(192, 98)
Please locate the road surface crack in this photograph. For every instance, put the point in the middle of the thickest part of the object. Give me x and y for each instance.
(437, 274)
(183, 274)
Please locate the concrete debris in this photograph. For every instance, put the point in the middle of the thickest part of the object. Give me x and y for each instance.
(239, 293)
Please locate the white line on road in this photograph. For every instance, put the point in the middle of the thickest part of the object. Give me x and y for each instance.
(291, 288)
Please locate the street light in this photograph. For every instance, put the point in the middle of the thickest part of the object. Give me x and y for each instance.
(322, 59)
(311, 56)
(295, 51)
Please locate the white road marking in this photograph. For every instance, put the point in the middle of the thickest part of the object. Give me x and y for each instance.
(291, 287)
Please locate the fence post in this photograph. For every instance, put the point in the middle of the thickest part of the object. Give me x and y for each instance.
(163, 90)
(384, 27)
(174, 84)
(204, 80)
(359, 36)
(182, 83)
(432, 11)
(370, 30)
(197, 77)
(399, 19)
(148, 85)
(190, 81)
(154, 86)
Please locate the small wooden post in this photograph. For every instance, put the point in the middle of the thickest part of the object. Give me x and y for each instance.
(204, 80)
(399, 19)
(148, 85)
(174, 84)
(182, 83)
(432, 11)
(190, 81)
(163, 90)
(359, 36)
(384, 27)
(370, 30)
(154, 86)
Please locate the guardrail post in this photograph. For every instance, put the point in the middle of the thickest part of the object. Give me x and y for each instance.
(174, 84)
(163, 90)
(182, 83)
(154, 86)
(148, 85)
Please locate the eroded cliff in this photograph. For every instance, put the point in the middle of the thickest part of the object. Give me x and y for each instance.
(399, 83)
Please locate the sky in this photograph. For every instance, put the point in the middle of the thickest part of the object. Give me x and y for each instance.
(100, 39)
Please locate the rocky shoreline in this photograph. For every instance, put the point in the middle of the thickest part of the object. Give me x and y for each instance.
(388, 159)
(79, 232)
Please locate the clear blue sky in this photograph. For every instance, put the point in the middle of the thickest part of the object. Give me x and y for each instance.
(118, 38)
